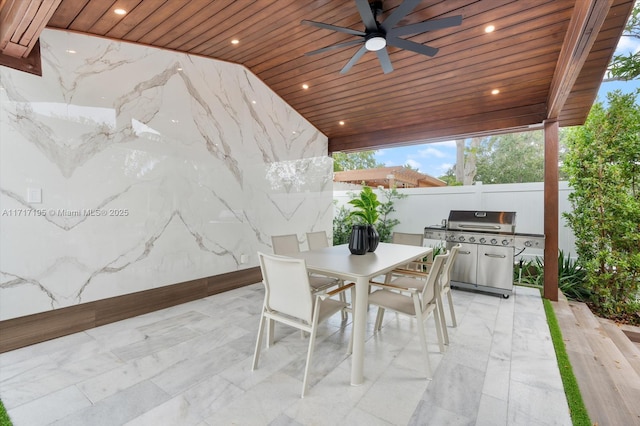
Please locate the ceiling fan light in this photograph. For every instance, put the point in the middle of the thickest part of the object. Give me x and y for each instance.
(375, 43)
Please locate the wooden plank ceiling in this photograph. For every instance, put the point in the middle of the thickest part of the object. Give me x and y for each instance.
(424, 98)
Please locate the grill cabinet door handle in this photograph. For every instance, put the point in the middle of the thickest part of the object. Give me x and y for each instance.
(501, 256)
(464, 252)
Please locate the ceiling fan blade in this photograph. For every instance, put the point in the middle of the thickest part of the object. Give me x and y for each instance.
(356, 56)
(413, 46)
(430, 25)
(400, 12)
(335, 46)
(333, 28)
(385, 61)
(367, 15)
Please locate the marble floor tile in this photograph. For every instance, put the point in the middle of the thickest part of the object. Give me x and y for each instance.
(191, 365)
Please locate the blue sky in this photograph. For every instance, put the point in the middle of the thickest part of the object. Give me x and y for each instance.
(436, 158)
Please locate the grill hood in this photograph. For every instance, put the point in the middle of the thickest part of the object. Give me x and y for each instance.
(482, 221)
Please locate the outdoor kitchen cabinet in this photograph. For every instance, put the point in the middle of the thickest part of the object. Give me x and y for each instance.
(465, 267)
(488, 268)
(496, 267)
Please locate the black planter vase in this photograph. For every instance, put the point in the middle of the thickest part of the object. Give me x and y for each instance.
(373, 237)
(359, 239)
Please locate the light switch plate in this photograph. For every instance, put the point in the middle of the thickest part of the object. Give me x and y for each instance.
(34, 195)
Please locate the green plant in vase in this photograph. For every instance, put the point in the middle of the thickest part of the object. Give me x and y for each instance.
(366, 210)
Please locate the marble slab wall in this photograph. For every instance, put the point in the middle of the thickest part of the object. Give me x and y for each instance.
(124, 168)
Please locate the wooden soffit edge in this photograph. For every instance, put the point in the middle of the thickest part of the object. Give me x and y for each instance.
(21, 23)
(31, 64)
(584, 27)
(517, 119)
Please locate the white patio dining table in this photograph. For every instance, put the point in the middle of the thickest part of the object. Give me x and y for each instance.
(337, 261)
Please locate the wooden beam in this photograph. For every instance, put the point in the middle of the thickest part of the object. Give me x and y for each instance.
(551, 209)
(584, 27)
(503, 121)
(21, 22)
(31, 64)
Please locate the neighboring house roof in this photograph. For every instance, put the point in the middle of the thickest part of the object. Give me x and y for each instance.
(399, 176)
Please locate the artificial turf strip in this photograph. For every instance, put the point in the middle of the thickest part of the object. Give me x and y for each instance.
(578, 411)
(4, 417)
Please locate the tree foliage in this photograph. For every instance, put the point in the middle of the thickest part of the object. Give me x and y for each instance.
(511, 158)
(603, 163)
(627, 66)
(507, 158)
(386, 223)
(343, 161)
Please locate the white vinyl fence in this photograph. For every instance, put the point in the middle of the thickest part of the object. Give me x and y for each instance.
(429, 206)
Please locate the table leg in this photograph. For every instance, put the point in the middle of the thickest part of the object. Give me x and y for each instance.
(359, 328)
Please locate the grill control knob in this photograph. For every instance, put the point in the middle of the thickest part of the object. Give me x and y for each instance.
(461, 238)
(505, 242)
(472, 240)
(527, 243)
(494, 241)
(483, 240)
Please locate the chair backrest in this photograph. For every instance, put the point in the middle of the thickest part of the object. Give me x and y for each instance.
(429, 292)
(448, 266)
(317, 240)
(407, 239)
(287, 289)
(285, 244)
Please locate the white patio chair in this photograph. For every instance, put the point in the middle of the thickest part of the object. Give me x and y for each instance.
(288, 244)
(317, 240)
(285, 244)
(445, 289)
(418, 304)
(289, 300)
(410, 240)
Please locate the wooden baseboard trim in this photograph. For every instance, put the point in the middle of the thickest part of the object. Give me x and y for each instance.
(24, 331)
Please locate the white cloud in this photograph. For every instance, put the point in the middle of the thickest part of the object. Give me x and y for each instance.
(627, 45)
(431, 152)
(442, 168)
(448, 144)
(413, 163)
(381, 152)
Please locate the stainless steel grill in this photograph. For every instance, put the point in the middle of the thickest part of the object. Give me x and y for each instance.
(488, 240)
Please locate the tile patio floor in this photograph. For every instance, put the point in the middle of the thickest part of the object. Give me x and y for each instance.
(191, 365)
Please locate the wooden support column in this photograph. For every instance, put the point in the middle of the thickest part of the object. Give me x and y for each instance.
(551, 209)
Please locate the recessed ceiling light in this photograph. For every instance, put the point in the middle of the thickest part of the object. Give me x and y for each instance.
(119, 11)
(489, 29)
(179, 69)
(305, 86)
(341, 123)
(254, 102)
(235, 41)
(70, 51)
(495, 91)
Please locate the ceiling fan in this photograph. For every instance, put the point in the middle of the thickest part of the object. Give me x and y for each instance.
(377, 36)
